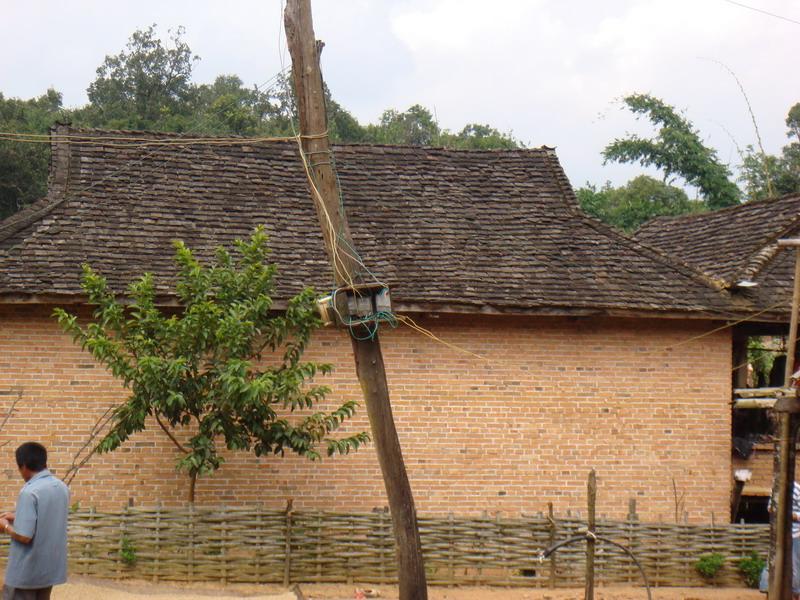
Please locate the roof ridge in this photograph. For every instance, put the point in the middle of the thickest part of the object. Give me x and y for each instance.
(635, 245)
(189, 136)
(765, 253)
(28, 216)
(658, 255)
(701, 215)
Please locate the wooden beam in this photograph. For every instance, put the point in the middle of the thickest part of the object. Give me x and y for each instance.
(752, 403)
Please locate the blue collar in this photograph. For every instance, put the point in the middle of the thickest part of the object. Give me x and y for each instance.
(40, 475)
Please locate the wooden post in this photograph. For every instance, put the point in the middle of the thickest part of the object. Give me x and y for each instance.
(590, 541)
(287, 545)
(552, 540)
(632, 519)
(780, 584)
(157, 560)
(324, 189)
(740, 359)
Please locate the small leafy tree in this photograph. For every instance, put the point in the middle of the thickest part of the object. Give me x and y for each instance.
(202, 367)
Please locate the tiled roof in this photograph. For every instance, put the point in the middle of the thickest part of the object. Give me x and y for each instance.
(732, 244)
(736, 244)
(446, 229)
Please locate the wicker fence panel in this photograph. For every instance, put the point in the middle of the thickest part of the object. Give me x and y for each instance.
(255, 545)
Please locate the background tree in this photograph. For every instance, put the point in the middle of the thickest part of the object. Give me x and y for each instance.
(220, 368)
(641, 199)
(677, 150)
(783, 171)
(24, 167)
(415, 126)
(146, 86)
(480, 137)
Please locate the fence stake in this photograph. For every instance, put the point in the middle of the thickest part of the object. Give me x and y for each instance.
(223, 546)
(261, 535)
(287, 567)
(552, 523)
(382, 542)
(350, 537)
(631, 537)
(158, 543)
(451, 550)
(319, 548)
(192, 541)
(590, 542)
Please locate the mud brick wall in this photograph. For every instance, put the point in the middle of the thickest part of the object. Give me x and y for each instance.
(550, 399)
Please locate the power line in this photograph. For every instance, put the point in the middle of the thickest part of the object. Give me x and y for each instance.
(762, 11)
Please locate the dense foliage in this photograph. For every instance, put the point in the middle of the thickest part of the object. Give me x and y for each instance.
(23, 167)
(709, 565)
(148, 86)
(635, 203)
(751, 567)
(221, 367)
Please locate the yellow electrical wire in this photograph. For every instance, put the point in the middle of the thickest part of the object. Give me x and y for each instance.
(727, 325)
(406, 320)
(131, 141)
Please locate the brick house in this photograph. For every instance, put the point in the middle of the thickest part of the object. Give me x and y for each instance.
(738, 246)
(597, 350)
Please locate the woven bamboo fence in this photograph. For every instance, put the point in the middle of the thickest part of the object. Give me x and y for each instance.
(255, 545)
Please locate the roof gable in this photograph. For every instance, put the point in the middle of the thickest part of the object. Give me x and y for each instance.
(446, 229)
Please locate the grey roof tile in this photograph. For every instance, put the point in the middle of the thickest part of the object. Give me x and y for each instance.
(446, 229)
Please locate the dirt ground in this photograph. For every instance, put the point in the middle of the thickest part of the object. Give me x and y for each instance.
(94, 589)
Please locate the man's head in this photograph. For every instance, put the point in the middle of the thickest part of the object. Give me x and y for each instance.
(31, 458)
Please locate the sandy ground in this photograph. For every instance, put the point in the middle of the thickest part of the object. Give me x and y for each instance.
(93, 589)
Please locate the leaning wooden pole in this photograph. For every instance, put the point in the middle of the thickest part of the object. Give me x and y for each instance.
(780, 585)
(323, 185)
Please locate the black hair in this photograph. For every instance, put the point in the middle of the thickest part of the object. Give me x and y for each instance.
(33, 456)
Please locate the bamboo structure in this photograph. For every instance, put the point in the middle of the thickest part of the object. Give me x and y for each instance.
(256, 545)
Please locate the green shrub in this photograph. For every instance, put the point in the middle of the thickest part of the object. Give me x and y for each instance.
(750, 567)
(127, 551)
(709, 565)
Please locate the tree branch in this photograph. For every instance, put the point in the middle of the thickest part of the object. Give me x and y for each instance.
(10, 412)
(97, 428)
(178, 445)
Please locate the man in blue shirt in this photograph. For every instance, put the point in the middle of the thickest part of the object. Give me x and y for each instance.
(37, 556)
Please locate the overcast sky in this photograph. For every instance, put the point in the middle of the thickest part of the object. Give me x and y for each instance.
(551, 71)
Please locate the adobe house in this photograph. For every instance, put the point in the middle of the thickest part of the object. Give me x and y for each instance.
(596, 350)
(738, 246)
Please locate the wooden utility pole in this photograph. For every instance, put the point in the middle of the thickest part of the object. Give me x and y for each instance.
(323, 185)
(787, 408)
(590, 539)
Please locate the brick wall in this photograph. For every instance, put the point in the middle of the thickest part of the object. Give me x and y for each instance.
(553, 398)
